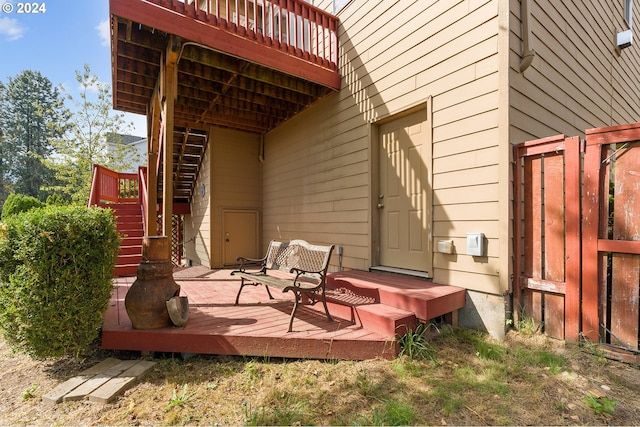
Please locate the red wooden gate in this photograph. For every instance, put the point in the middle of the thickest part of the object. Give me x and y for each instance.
(577, 247)
(611, 236)
(547, 226)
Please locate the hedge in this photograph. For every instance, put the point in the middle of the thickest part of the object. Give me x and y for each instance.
(56, 267)
(17, 203)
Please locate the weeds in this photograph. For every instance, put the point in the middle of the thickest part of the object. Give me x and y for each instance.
(600, 404)
(526, 325)
(29, 393)
(415, 345)
(179, 400)
(283, 411)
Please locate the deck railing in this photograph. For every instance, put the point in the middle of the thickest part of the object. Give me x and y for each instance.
(294, 26)
(108, 186)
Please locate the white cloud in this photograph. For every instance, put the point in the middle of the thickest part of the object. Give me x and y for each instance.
(11, 29)
(104, 31)
(92, 85)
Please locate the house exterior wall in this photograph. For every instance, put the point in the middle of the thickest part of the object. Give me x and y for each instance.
(578, 78)
(235, 179)
(231, 174)
(459, 60)
(197, 225)
(320, 169)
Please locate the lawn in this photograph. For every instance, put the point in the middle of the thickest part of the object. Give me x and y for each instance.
(459, 377)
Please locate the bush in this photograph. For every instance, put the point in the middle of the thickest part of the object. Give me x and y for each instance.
(17, 203)
(56, 266)
(56, 200)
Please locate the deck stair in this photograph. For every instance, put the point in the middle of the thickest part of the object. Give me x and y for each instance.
(130, 227)
(390, 305)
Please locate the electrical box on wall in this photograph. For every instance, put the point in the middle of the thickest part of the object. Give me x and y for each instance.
(475, 244)
(445, 246)
(624, 39)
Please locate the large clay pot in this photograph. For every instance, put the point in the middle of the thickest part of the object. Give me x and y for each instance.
(146, 300)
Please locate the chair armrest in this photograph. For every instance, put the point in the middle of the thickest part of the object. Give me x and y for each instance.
(249, 262)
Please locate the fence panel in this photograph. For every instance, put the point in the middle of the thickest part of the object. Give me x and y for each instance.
(611, 240)
(546, 227)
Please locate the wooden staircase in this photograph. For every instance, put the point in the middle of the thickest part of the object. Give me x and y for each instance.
(129, 224)
(387, 304)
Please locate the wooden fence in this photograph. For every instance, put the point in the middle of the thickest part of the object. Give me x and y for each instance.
(577, 236)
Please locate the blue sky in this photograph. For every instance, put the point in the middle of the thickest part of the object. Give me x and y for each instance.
(59, 40)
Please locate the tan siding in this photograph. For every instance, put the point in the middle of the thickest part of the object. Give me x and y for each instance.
(486, 211)
(198, 223)
(464, 161)
(445, 230)
(480, 282)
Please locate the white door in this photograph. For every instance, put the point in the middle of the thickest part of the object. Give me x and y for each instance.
(404, 202)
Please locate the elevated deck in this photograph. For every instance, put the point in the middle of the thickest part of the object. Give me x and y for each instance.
(247, 65)
(362, 328)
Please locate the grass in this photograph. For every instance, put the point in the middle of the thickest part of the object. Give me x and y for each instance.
(464, 378)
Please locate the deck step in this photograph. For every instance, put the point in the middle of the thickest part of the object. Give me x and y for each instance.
(366, 312)
(426, 299)
(130, 250)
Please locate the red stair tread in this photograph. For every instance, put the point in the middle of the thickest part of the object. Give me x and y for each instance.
(427, 300)
(130, 227)
(385, 319)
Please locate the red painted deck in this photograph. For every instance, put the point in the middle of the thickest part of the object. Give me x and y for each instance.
(255, 327)
(363, 328)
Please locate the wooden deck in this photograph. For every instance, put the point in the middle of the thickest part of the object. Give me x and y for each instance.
(255, 327)
(369, 311)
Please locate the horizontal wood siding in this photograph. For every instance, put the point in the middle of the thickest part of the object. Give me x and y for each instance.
(578, 79)
(197, 225)
(320, 167)
(235, 179)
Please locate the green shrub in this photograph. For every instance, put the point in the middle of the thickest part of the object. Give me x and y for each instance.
(56, 200)
(17, 203)
(56, 266)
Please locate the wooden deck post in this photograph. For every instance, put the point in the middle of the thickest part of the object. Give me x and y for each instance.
(169, 75)
(153, 138)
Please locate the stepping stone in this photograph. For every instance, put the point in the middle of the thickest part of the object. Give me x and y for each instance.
(57, 394)
(102, 382)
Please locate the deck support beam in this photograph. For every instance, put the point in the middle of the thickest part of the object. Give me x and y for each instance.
(153, 148)
(168, 89)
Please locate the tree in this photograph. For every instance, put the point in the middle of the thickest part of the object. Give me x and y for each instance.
(5, 185)
(32, 115)
(93, 138)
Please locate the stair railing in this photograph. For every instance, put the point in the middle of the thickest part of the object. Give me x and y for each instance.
(142, 191)
(108, 186)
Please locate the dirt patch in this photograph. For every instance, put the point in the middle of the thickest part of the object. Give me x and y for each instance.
(468, 379)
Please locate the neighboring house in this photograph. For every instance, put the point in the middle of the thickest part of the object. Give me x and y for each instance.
(403, 160)
(138, 156)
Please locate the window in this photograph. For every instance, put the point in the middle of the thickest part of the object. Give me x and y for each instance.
(628, 11)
